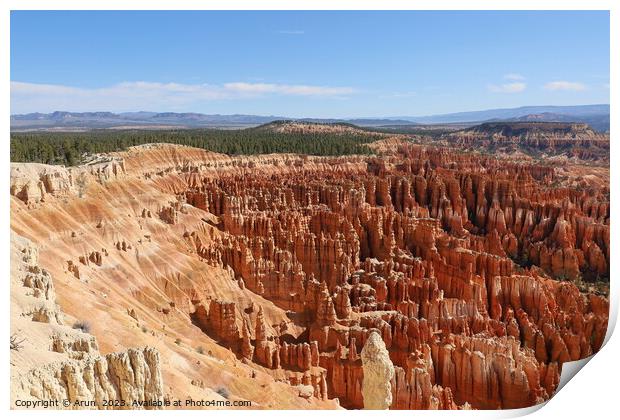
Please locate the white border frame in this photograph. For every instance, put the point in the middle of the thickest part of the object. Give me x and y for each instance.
(591, 395)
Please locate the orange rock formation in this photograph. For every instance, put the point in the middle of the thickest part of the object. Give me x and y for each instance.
(464, 264)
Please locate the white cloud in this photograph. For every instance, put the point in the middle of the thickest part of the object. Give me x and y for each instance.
(514, 76)
(410, 94)
(564, 85)
(131, 96)
(514, 87)
(304, 90)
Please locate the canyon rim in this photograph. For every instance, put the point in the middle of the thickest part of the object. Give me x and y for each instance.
(306, 210)
(261, 278)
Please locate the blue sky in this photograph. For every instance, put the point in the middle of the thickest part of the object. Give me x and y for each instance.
(307, 64)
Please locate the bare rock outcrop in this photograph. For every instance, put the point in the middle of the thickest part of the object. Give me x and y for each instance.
(553, 138)
(480, 275)
(132, 376)
(440, 248)
(378, 374)
(52, 361)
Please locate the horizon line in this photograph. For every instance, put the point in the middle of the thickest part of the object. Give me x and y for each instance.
(298, 117)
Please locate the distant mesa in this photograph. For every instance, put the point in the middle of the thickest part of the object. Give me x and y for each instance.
(534, 139)
(538, 127)
(597, 116)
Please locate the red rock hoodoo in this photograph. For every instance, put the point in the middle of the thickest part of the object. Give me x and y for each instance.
(438, 251)
(474, 270)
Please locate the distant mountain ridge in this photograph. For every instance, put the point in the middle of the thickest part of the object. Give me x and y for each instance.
(596, 116)
(599, 122)
(110, 120)
(505, 113)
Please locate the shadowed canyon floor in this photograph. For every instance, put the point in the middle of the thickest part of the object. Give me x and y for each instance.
(261, 278)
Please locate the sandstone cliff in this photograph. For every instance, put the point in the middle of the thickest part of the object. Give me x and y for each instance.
(267, 275)
(52, 361)
(378, 374)
(545, 139)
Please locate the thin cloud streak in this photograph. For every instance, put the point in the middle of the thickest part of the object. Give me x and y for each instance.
(515, 87)
(400, 95)
(304, 90)
(127, 96)
(564, 85)
(514, 76)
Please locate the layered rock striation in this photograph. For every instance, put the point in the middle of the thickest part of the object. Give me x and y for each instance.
(54, 362)
(573, 140)
(465, 266)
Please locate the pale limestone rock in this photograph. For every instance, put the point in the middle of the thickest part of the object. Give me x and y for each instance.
(56, 362)
(378, 372)
(131, 375)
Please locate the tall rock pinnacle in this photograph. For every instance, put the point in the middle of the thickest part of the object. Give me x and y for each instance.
(378, 372)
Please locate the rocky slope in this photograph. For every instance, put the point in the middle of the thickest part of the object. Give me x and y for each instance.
(265, 276)
(537, 139)
(304, 127)
(52, 361)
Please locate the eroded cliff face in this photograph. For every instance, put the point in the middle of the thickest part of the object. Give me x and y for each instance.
(52, 361)
(544, 139)
(115, 242)
(378, 374)
(281, 266)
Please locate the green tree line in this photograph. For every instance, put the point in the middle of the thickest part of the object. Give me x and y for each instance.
(71, 148)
